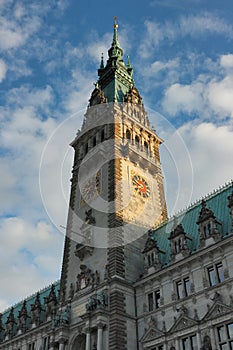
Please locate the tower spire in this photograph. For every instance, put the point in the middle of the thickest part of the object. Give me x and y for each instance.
(115, 33)
(115, 51)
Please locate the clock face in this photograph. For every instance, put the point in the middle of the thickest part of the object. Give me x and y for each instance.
(141, 186)
(91, 188)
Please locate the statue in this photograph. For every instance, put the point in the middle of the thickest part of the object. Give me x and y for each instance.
(206, 343)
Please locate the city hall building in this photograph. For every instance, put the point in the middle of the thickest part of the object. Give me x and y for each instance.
(131, 279)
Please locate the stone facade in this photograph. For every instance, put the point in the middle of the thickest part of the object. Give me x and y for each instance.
(131, 278)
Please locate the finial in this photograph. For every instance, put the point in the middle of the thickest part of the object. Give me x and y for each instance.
(102, 61)
(115, 25)
(128, 61)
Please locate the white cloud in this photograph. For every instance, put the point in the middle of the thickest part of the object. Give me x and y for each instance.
(220, 96)
(25, 250)
(199, 164)
(206, 23)
(25, 96)
(226, 61)
(192, 25)
(185, 98)
(211, 148)
(3, 70)
(209, 94)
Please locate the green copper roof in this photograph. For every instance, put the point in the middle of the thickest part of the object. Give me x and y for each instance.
(217, 202)
(44, 293)
(115, 78)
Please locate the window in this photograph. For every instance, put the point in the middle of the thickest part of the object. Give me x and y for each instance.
(186, 286)
(159, 347)
(94, 141)
(183, 288)
(32, 346)
(146, 147)
(137, 141)
(151, 259)
(157, 299)
(189, 343)
(150, 302)
(215, 274)
(128, 135)
(225, 336)
(46, 343)
(154, 300)
(207, 230)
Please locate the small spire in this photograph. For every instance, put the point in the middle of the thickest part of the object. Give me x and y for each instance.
(115, 34)
(102, 61)
(128, 62)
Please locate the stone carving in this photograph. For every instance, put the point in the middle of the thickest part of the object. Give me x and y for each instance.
(85, 247)
(90, 220)
(217, 309)
(97, 96)
(152, 322)
(100, 300)
(51, 303)
(124, 147)
(62, 317)
(87, 278)
(216, 297)
(22, 318)
(183, 310)
(36, 310)
(183, 322)
(71, 291)
(206, 343)
(10, 324)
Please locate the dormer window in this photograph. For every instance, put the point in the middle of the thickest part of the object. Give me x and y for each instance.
(178, 242)
(209, 227)
(151, 255)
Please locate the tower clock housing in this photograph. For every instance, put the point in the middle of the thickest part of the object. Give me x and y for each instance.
(117, 195)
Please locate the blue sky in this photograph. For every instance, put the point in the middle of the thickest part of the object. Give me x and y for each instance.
(182, 54)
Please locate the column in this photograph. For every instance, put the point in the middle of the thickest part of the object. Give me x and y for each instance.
(61, 346)
(177, 344)
(88, 339)
(52, 343)
(198, 339)
(100, 336)
(212, 337)
(62, 342)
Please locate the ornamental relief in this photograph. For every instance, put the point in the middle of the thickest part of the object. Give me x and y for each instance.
(87, 278)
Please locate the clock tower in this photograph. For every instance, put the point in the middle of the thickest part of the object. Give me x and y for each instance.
(117, 195)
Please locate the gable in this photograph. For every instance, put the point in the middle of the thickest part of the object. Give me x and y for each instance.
(151, 334)
(182, 322)
(218, 309)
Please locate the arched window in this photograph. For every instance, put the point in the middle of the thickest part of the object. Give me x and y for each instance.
(146, 147)
(94, 141)
(137, 141)
(86, 148)
(128, 135)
